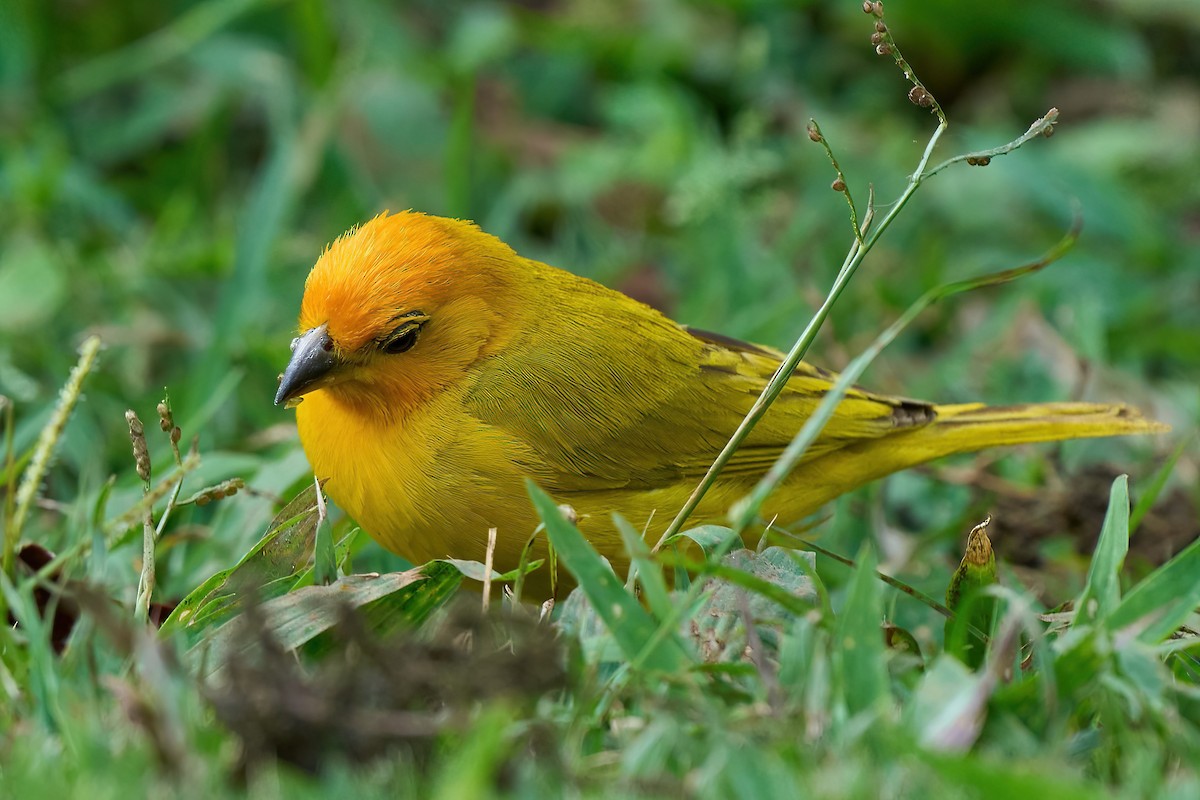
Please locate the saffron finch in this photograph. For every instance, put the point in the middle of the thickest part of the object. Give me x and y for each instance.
(439, 370)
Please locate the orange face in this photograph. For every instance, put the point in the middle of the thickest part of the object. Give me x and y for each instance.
(397, 308)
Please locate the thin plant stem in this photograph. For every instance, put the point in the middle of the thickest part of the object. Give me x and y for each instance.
(854, 259)
(168, 485)
(899, 585)
(779, 380)
(1043, 126)
(840, 184)
(746, 511)
(147, 580)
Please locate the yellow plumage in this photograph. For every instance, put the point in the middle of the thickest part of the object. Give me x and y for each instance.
(439, 369)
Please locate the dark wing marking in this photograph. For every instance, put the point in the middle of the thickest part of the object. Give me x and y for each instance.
(729, 343)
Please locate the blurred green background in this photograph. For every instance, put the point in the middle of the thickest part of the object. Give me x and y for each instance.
(170, 170)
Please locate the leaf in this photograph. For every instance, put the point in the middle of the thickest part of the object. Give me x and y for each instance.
(577, 619)
(966, 597)
(711, 538)
(471, 769)
(1157, 483)
(43, 667)
(771, 587)
(299, 616)
(410, 608)
(858, 639)
(624, 617)
(776, 579)
(1102, 590)
(1003, 777)
(1163, 600)
(268, 570)
(649, 572)
(325, 564)
(476, 570)
(405, 609)
(341, 553)
(900, 641)
(946, 713)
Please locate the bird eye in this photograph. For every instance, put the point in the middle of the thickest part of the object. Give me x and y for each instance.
(402, 342)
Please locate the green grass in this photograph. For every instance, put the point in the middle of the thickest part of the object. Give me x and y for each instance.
(168, 173)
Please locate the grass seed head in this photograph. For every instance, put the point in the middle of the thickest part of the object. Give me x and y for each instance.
(141, 453)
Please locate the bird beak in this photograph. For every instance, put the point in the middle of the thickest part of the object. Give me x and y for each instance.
(311, 367)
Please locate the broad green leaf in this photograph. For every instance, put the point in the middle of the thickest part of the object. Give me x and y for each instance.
(404, 609)
(476, 570)
(577, 619)
(777, 580)
(770, 587)
(297, 617)
(33, 284)
(411, 607)
(341, 553)
(268, 570)
(711, 538)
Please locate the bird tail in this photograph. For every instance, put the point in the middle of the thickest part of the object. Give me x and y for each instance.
(957, 429)
(967, 428)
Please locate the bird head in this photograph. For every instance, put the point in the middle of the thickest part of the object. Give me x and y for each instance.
(398, 308)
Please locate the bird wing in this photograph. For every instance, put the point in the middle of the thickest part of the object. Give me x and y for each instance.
(731, 368)
(654, 405)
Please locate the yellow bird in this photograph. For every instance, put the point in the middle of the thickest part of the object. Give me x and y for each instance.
(439, 369)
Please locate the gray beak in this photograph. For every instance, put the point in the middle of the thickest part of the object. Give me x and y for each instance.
(313, 358)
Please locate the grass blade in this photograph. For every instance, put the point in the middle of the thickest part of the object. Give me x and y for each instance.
(859, 641)
(1169, 595)
(1156, 485)
(1102, 591)
(622, 614)
(649, 574)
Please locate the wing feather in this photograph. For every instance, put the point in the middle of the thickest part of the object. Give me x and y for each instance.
(653, 404)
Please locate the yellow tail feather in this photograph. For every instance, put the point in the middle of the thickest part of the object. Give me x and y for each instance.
(957, 429)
